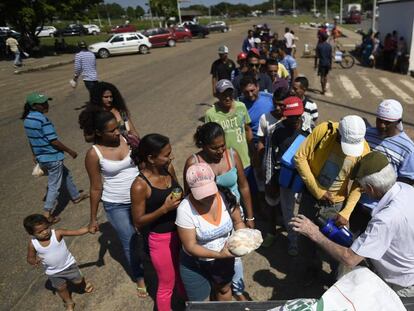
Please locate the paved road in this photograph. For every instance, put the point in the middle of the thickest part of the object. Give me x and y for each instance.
(167, 92)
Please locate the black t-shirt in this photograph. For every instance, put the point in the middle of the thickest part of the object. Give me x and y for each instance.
(324, 53)
(220, 70)
(282, 138)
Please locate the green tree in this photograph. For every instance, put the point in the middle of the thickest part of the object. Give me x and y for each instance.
(26, 15)
(166, 8)
(130, 12)
(139, 11)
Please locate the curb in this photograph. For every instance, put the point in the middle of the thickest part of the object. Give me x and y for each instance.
(43, 67)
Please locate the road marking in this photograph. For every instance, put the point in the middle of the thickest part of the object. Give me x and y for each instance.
(408, 84)
(349, 87)
(407, 99)
(371, 86)
(328, 92)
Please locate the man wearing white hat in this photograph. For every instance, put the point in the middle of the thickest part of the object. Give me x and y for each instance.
(325, 161)
(222, 68)
(388, 138)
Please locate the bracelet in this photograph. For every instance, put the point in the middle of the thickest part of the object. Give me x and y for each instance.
(250, 219)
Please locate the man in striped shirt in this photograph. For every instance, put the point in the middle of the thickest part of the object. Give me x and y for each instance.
(85, 65)
(48, 151)
(310, 116)
(388, 138)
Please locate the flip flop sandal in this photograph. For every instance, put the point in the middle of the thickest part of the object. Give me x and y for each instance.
(142, 292)
(81, 198)
(69, 306)
(89, 288)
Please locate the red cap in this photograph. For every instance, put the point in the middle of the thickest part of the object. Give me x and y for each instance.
(255, 51)
(292, 106)
(241, 56)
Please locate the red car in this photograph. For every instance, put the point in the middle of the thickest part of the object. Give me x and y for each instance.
(124, 28)
(160, 37)
(182, 34)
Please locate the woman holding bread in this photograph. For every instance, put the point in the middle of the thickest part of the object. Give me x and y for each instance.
(205, 221)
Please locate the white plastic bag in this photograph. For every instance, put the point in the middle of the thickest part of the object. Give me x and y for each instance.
(37, 171)
(73, 83)
(361, 290)
(244, 241)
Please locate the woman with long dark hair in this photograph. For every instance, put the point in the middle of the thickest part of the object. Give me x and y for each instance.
(111, 173)
(155, 196)
(107, 96)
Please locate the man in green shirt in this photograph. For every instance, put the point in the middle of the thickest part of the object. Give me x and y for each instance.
(234, 119)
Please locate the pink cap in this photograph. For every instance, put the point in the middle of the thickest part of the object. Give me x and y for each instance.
(201, 180)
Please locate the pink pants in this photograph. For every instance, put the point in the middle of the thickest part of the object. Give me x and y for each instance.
(164, 251)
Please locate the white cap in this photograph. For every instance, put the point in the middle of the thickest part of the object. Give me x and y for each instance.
(223, 49)
(352, 130)
(257, 40)
(390, 110)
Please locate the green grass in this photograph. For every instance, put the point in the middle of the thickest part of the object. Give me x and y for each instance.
(73, 40)
(300, 19)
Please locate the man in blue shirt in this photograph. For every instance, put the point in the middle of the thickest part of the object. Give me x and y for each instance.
(388, 138)
(257, 104)
(324, 55)
(288, 61)
(48, 151)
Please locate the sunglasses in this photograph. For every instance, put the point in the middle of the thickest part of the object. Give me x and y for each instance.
(254, 65)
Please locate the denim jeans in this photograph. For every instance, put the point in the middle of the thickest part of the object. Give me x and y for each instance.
(237, 283)
(17, 58)
(58, 172)
(89, 85)
(119, 216)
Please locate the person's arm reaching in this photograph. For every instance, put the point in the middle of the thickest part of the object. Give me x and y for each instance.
(95, 188)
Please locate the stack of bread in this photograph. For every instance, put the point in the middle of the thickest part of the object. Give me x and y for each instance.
(244, 241)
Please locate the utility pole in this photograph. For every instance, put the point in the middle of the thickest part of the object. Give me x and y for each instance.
(274, 7)
(179, 11)
(294, 7)
(326, 10)
(374, 13)
(209, 12)
(150, 12)
(341, 9)
(314, 7)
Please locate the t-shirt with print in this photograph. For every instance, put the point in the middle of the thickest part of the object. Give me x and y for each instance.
(41, 132)
(267, 124)
(233, 124)
(209, 235)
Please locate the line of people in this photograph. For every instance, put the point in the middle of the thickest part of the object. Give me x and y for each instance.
(239, 172)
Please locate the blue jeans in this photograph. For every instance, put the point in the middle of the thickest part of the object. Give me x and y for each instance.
(237, 283)
(119, 215)
(17, 58)
(58, 172)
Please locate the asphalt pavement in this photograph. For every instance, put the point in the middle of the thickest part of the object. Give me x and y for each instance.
(167, 91)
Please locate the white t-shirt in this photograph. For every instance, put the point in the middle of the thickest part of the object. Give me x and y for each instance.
(208, 235)
(267, 124)
(289, 39)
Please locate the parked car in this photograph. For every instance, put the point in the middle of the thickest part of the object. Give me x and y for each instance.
(92, 29)
(123, 28)
(217, 26)
(46, 31)
(123, 43)
(198, 30)
(160, 37)
(72, 30)
(182, 33)
(354, 17)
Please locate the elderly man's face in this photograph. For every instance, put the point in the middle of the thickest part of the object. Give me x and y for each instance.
(386, 128)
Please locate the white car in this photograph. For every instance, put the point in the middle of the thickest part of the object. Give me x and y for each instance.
(92, 29)
(122, 43)
(46, 31)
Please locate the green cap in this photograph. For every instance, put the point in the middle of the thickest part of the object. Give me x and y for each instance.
(37, 98)
(371, 163)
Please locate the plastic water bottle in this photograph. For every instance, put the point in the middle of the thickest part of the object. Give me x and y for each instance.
(341, 236)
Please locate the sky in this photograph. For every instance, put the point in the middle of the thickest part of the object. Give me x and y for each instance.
(134, 3)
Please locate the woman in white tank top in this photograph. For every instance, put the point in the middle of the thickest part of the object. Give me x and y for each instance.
(111, 173)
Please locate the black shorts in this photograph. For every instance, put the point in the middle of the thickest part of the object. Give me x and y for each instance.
(323, 70)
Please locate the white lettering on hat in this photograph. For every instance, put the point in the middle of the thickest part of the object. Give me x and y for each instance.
(292, 105)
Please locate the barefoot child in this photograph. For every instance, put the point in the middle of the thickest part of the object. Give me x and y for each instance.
(48, 247)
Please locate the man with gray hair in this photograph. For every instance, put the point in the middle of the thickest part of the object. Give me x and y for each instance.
(388, 240)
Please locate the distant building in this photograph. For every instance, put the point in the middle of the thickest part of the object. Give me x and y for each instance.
(398, 15)
(190, 15)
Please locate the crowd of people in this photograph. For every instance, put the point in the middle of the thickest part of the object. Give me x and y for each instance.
(261, 151)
